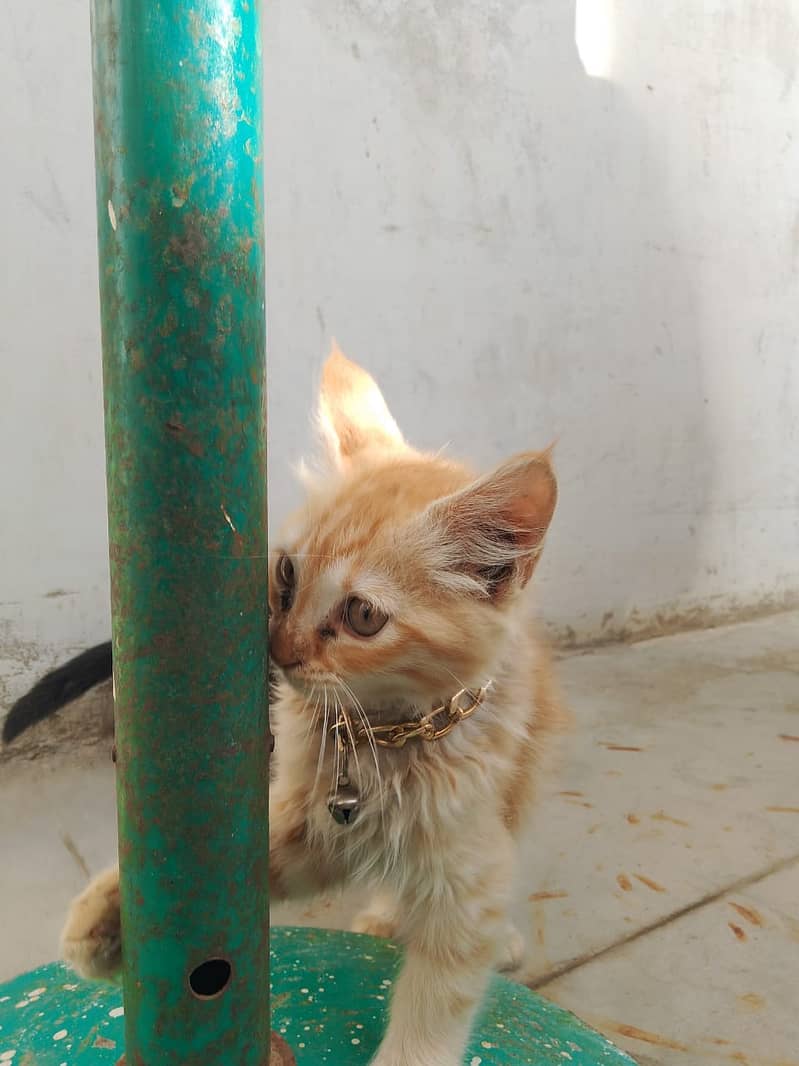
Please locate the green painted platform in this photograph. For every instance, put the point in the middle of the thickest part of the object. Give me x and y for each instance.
(330, 994)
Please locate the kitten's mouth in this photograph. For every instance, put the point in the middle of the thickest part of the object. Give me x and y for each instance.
(301, 679)
(292, 672)
(310, 681)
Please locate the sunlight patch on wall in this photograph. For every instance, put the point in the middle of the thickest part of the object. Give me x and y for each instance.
(593, 35)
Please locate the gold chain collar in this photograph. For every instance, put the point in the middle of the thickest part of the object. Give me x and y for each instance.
(432, 726)
(344, 801)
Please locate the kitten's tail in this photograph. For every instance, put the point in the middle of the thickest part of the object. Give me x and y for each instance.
(58, 688)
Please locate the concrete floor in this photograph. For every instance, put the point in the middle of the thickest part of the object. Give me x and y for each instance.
(660, 886)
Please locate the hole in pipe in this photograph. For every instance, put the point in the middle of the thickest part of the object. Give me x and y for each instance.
(210, 978)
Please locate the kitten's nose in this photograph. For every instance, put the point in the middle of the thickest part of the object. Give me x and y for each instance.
(282, 650)
(285, 660)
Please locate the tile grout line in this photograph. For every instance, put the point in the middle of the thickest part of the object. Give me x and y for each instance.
(577, 963)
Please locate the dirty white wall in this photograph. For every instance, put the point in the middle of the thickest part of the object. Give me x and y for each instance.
(520, 249)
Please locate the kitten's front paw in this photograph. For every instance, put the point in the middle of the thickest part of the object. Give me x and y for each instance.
(375, 922)
(91, 942)
(511, 952)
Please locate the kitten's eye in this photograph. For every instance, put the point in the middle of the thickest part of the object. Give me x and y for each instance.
(285, 575)
(285, 571)
(362, 618)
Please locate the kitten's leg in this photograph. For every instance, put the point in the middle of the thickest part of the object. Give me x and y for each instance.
(91, 942)
(452, 937)
(294, 872)
(379, 918)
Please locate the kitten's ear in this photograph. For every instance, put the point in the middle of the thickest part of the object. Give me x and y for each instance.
(352, 414)
(493, 531)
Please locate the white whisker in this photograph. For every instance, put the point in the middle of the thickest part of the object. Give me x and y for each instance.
(337, 759)
(317, 710)
(323, 742)
(456, 679)
(358, 708)
(312, 722)
(348, 726)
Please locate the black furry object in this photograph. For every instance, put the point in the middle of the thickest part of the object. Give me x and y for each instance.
(58, 688)
(63, 685)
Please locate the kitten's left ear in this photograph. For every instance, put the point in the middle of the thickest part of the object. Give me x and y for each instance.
(353, 415)
(493, 531)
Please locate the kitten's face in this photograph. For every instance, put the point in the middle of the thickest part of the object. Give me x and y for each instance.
(354, 596)
(398, 579)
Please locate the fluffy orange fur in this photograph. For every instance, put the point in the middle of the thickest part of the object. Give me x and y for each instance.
(442, 559)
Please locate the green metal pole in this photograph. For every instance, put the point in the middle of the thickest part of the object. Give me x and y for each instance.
(177, 97)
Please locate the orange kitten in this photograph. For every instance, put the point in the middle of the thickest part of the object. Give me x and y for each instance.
(399, 584)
